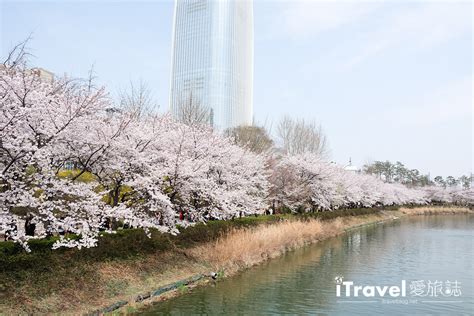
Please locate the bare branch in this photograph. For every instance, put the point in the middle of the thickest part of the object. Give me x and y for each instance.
(19, 54)
(137, 99)
(299, 136)
(192, 112)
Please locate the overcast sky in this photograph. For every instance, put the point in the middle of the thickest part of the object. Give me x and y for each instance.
(387, 80)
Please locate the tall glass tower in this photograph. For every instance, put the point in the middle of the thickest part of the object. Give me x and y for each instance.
(212, 59)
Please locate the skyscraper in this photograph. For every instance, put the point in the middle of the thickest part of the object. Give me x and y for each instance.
(212, 59)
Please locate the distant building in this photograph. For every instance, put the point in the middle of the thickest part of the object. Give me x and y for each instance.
(40, 72)
(350, 167)
(43, 73)
(212, 60)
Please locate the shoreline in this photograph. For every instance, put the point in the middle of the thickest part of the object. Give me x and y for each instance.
(128, 285)
(351, 223)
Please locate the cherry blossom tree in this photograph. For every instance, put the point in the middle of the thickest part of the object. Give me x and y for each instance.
(206, 176)
(306, 182)
(37, 117)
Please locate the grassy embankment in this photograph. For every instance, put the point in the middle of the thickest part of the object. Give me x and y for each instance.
(128, 263)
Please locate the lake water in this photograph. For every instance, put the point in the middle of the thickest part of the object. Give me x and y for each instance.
(431, 250)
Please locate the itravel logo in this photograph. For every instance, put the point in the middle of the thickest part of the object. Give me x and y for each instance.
(418, 288)
(352, 290)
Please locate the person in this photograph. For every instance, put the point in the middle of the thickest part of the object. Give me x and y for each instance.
(30, 225)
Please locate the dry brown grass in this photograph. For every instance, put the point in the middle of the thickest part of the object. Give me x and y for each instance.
(431, 210)
(242, 248)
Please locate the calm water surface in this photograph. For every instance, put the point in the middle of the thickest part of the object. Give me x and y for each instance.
(428, 248)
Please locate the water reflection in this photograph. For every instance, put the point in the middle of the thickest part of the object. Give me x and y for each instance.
(302, 282)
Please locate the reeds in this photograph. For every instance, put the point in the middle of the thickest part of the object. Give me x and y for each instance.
(246, 247)
(427, 210)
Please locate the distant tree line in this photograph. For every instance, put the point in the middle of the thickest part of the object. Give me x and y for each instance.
(398, 173)
(450, 181)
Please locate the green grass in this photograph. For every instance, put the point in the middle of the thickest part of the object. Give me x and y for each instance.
(183, 288)
(86, 177)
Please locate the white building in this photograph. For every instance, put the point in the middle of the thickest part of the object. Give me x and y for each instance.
(212, 59)
(40, 72)
(43, 74)
(352, 168)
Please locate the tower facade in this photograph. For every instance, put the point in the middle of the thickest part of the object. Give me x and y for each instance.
(212, 60)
